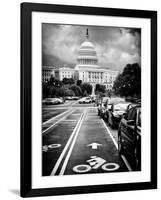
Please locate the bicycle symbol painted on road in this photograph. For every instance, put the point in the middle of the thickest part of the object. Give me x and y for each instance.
(45, 148)
(94, 163)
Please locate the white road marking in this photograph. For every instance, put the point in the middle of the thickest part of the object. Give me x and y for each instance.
(53, 146)
(56, 122)
(126, 163)
(81, 168)
(45, 148)
(65, 149)
(107, 166)
(115, 143)
(71, 147)
(55, 117)
(94, 145)
(96, 162)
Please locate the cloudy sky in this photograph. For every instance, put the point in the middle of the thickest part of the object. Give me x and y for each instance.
(115, 46)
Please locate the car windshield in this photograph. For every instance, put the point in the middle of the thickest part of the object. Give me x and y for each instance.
(116, 100)
(122, 107)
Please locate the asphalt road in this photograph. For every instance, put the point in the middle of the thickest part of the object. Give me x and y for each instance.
(77, 141)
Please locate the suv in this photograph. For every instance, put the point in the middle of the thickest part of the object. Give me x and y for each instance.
(116, 112)
(129, 136)
(111, 101)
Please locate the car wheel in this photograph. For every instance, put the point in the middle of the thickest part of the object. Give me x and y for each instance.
(119, 143)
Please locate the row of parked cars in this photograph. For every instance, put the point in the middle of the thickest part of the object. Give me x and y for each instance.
(72, 98)
(126, 117)
(53, 101)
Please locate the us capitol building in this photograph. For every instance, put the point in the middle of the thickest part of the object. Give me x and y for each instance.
(87, 68)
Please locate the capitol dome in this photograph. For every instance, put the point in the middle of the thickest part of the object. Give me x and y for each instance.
(87, 55)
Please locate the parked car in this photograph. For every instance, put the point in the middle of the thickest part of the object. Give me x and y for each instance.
(116, 112)
(68, 98)
(106, 112)
(111, 101)
(115, 100)
(52, 101)
(101, 109)
(133, 99)
(98, 102)
(93, 98)
(85, 100)
(61, 100)
(75, 98)
(102, 106)
(129, 136)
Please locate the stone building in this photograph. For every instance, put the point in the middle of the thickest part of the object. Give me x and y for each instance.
(87, 68)
(47, 72)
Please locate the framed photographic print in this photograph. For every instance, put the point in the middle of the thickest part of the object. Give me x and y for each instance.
(88, 99)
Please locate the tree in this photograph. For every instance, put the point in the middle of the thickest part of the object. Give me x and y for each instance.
(100, 88)
(45, 90)
(76, 89)
(128, 83)
(69, 92)
(79, 82)
(69, 81)
(85, 93)
(87, 87)
(54, 82)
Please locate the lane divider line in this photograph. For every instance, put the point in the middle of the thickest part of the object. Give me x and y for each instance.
(56, 122)
(115, 143)
(55, 117)
(71, 147)
(65, 149)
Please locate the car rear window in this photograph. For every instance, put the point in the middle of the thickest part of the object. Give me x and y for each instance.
(122, 107)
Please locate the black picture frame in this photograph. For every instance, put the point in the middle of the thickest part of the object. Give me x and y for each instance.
(26, 103)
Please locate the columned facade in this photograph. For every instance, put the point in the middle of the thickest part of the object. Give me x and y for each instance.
(88, 69)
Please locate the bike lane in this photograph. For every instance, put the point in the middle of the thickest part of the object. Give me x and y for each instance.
(94, 150)
(54, 142)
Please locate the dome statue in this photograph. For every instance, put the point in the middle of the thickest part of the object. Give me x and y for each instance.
(87, 55)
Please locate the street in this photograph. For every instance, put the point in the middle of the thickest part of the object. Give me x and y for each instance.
(78, 141)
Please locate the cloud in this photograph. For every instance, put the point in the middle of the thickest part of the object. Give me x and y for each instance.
(115, 46)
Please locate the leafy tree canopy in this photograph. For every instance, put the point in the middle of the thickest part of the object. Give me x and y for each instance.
(100, 88)
(128, 83)
(76, 89)
(68, 81)
(86, 87)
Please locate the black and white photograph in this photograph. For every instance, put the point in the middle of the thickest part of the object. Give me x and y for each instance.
(89, 111)
(91, 99)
